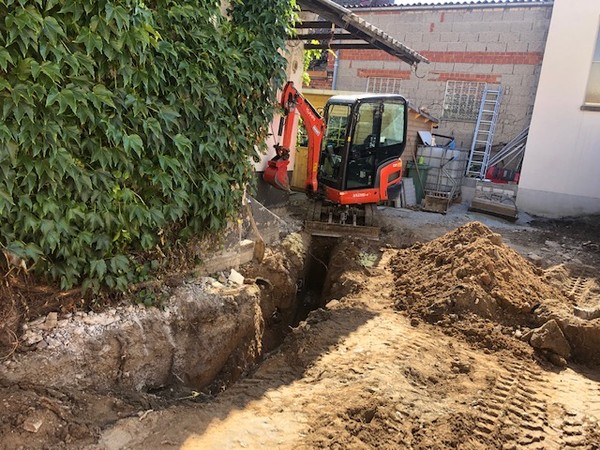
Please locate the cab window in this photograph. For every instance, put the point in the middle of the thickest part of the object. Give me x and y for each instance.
(333, 143)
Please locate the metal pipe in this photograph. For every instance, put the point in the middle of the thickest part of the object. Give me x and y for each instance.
(336, 66)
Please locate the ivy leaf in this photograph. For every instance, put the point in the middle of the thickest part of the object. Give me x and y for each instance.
(119, 14)
(104, 95)
(5, 58)
(147, 241)
(51, 240)
(86, 62)
(47, 226)
(52, 97)
(66, 98)
(133, 142)
(52, 29)
(33, 251)
(182, 143)
(35, 69)
(98, 267)
(24, 68)
(51, 4)
(119, 264)
(89, 39)
(4, 84)
(51, 70)
(6, 197)
(151, 125)
(168, 115)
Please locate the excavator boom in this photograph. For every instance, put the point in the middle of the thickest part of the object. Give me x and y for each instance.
(293, 105)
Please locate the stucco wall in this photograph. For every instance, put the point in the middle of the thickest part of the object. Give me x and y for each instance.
(501, 44)
(561, 169)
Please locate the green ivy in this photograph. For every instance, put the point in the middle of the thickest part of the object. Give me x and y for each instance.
(122, 118)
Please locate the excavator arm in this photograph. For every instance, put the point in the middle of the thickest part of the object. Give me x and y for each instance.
(293, 105)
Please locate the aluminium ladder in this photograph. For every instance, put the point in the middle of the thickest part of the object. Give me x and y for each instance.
(484, 132)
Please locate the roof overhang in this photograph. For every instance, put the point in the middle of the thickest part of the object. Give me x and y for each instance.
(342, 29)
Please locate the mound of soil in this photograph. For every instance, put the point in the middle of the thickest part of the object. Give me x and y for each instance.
(471, 280)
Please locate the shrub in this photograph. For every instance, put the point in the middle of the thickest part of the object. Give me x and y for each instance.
(123, 120)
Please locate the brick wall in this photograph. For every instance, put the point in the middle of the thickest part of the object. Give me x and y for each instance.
(503, 45)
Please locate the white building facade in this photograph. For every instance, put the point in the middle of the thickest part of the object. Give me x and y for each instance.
(560, 176)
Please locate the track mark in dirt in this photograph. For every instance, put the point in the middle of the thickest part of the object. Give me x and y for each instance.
(584, 290)
(513, 411)
(575, 403)
(573, 431)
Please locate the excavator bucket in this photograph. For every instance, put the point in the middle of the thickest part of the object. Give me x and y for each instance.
(276, 174)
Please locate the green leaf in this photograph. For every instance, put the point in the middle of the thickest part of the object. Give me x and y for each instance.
(169, 116)
(147, 241)
(153, 126)
(98, 267)
(86, 62)
(33, 251)
(52, 97)
(119, 14)
(119, 264)
(182, 143)
(52, 29)
(6, 197)
(5, 85)
(51, 4)
(66, 98)
(24, 68)
(5, 59)
(133, 142)
(90, 40)
(104, 95)
(52, 71)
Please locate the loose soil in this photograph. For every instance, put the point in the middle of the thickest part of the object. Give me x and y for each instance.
(421, 347)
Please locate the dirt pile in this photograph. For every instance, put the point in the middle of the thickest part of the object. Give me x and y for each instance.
(469, 279)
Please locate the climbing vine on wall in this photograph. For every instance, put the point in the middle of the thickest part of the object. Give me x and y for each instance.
(123, 119)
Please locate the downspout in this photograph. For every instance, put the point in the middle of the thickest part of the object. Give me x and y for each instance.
(336, 66)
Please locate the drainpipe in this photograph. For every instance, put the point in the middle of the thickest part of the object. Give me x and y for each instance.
(336, 66)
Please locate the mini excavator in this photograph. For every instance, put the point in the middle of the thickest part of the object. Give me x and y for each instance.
(353, 162)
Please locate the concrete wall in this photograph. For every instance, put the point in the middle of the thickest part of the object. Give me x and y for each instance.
(561, 169)
(501, 44)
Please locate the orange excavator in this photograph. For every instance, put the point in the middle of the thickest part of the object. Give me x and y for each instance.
(353, 162)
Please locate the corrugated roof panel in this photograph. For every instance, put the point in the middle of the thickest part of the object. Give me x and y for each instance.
(360, 28)
(421, 3)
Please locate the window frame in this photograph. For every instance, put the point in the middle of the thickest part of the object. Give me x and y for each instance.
(473, 90)
(381, 85)
(593, 78)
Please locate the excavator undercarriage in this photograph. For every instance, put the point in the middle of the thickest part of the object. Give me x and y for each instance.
(336, 220)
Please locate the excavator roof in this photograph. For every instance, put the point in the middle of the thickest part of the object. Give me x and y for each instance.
(353, 98)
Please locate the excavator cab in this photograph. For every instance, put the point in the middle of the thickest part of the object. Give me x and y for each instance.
(363, 135)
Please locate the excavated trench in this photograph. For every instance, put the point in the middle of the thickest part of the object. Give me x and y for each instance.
(315, 277)
(205, 338)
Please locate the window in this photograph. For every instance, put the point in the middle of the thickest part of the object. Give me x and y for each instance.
(380, 85)
(592, 93)
(462, 100)
(333, 143)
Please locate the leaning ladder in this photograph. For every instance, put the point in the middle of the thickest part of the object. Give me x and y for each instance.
(484, 131)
